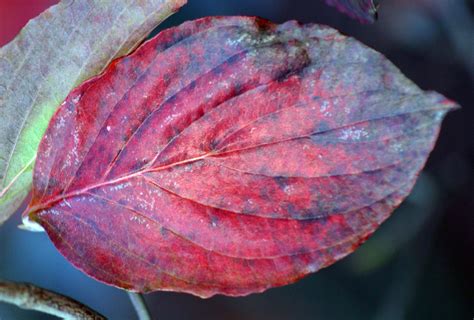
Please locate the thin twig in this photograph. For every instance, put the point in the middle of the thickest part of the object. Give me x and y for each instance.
(139, 305)
(28, 296)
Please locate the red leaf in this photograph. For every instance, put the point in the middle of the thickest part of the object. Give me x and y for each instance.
(363, 10)
(14, 15)
(230, 155)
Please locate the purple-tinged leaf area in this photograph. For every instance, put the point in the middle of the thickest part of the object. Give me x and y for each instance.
(363, 10)
(230, 155)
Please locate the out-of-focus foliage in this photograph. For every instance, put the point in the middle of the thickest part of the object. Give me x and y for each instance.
(363, 10)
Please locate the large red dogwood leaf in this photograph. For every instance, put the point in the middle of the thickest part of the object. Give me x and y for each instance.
(363, 10)
(230, 155)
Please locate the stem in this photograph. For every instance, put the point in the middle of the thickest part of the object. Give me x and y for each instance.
(140, 306)
(28, 296)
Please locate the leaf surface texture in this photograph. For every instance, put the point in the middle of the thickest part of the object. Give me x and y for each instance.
(230, 155)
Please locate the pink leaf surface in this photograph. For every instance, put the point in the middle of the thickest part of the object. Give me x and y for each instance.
(230, 155)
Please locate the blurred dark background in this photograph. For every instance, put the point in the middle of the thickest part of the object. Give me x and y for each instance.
(418, 265)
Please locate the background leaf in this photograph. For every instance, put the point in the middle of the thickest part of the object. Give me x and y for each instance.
(55, 52)
(230, 155)
(363, 10)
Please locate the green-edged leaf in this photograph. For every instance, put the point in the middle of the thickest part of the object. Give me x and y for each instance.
(54, 53)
